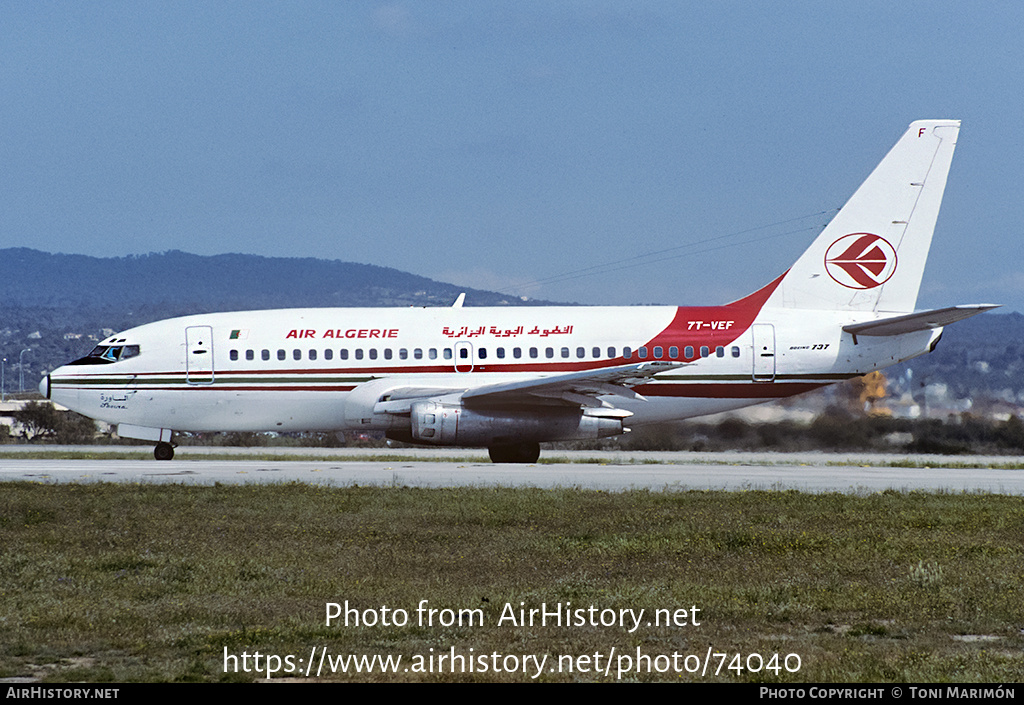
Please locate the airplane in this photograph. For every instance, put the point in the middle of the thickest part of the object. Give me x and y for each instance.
(511, 378)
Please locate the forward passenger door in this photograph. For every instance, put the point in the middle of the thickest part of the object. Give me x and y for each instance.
(199, 355)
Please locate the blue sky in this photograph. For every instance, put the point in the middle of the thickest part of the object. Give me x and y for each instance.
(498, 144)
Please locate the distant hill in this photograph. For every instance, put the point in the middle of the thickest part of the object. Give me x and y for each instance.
(982, 354)
(195, 284)
(58, 306)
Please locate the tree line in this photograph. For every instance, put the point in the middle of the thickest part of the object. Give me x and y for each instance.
(835, 429)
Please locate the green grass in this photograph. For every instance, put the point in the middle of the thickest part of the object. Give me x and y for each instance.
(103, 582)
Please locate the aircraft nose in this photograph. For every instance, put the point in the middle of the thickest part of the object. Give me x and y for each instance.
(44, 386)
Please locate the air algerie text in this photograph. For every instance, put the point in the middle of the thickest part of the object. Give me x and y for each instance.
(345, 333)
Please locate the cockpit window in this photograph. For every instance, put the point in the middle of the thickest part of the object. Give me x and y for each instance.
(105, 354)
(111, 353)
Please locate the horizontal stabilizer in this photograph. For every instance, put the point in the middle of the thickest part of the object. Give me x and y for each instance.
(922, 320)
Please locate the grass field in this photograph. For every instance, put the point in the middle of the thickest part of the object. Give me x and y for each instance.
(105, 582)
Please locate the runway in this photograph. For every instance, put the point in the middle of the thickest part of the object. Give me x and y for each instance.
(613, 471)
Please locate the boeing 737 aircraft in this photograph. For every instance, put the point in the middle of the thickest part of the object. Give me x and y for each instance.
(511, 378)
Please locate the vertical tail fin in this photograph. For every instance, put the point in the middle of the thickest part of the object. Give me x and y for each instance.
(871, 256)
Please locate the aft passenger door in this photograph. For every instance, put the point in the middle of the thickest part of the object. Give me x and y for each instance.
(199, 355)
(764, 352)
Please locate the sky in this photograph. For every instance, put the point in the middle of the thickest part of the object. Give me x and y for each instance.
(594, 152)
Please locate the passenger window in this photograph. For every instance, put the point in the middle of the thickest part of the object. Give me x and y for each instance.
(549, 353)
(565, 353)
(359, 353)
(250, 355)
(234, 355)
(657, 351)
(611, 352)
(464, 353)
(343, 354)
(418, 353)
(581, 353)
(265, 354)
(704, 351)
(281, 354)
(373, 353)
(433, 353)
(447, 353)
(387, 353)
(533, 352)
(500, 353)
(297, 354)
(481, 353)
(673, 352)
(403, 354)
(517, 353)
(720, 351)
(642, 352)
(735, 351)
(312, 354)
(688, 352)
(627, 353)
(596, 352)
(328, 354)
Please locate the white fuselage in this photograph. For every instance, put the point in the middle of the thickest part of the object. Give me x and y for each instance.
(294, 369)
(510, 378)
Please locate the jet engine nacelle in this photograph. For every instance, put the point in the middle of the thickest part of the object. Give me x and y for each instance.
(438, 423)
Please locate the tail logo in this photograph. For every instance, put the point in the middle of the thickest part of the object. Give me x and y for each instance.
(860, 261)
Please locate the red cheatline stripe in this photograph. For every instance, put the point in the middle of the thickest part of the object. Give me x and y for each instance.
(731, 390)
(283, 388)
(220, 388)
(396, 370)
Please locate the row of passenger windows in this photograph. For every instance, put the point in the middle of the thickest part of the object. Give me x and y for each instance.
(657, 352)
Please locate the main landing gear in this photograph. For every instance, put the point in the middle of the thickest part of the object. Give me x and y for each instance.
(514, 453)
(163, 451)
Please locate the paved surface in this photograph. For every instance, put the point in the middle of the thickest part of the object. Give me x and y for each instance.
(809, 472)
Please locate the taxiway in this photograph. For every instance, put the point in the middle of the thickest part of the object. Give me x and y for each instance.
(806, 472)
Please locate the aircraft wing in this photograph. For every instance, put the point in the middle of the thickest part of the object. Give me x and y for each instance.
(582, 388)
(572, 389)
(922, 320)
